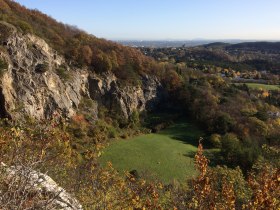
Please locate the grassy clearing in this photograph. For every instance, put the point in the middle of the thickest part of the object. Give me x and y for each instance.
(261, 86)
(167, 155)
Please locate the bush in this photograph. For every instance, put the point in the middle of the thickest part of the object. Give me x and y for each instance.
(86, 103)
(128, 75)
(259, 126)
(42, 67)
(235, 177)
(124, 135)
(46, 144)
(223, 123)
(3, 67)
(101, 62)
(134, 119)
(215, 140)
(160, 126)
(79, 132)
(24, 26)
(237, 153)
(63, 73)
(5, 31)
(112, 132)
(230, 147)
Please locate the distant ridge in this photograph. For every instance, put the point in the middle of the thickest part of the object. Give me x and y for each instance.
(264, 46)
(187, 43)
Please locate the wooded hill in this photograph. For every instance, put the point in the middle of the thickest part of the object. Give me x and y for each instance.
(79, 47)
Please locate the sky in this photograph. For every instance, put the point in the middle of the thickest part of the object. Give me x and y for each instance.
(167, 19)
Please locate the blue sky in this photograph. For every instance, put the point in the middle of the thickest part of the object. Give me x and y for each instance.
(168, 19)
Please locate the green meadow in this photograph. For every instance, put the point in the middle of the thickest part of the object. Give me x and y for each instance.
(261, 86)
(167, 155)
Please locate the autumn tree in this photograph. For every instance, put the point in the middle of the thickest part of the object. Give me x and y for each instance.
(85, 55)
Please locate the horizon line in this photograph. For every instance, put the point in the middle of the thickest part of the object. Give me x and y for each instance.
(193, 40)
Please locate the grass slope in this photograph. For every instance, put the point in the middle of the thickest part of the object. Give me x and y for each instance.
(167, 155)
(261, 86)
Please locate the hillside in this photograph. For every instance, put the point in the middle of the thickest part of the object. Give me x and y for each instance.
(78, 47)
(268, 47)
(49, 67)
(70, 102)
(247, 56)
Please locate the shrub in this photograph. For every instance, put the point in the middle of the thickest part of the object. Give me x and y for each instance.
(86, 103)
(101, 62)
(230, 147)
(46, 144)
(128, 75)
(159, 127)
(3, 67)
(215, 140)
(112, 132)
(63, 73)
(21, 188)
(42, 67)
(224, 123)
(224, 188)
(78, 126)
(264, 181)
(24, 26)
(234, 176)
(259, 126)
(124, 135)
(5, 31)
(237, 153)
(134, 119)
(39, 146)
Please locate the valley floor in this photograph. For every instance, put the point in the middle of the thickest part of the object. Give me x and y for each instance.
(167, 155)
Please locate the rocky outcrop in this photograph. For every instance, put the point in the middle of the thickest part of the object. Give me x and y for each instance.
(34, 83)
(106, 90)
(29, 182)
(31, 85)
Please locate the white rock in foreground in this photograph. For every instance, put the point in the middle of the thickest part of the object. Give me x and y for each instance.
(42, 184)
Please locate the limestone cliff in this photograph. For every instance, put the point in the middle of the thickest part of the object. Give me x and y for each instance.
(38, 82)
(106, 90)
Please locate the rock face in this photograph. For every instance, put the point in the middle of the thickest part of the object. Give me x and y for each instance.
(106, 91)
(39, 83)
(31, 85)
(39, 185)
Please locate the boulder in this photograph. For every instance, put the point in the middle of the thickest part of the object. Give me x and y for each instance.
(32, 182)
